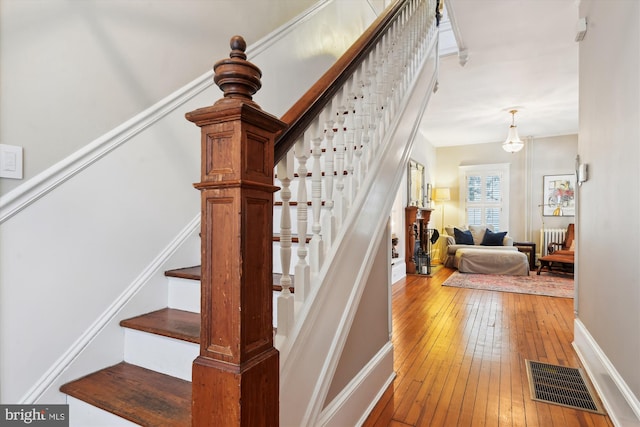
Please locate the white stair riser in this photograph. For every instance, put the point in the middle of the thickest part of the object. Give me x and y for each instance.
(162, 354)
(184, 294)
(82, 414)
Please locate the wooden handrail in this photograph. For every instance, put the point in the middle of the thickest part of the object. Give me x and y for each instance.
(303, 112)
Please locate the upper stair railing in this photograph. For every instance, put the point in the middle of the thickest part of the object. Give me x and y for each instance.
(339, 126)
(342, 124)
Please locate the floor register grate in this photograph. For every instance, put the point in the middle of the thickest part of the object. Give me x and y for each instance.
(561, 385)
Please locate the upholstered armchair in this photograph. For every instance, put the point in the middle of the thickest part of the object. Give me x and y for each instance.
(566, 247)
(561, 253)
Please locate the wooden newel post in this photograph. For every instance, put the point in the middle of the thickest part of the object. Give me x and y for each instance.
(236, 375)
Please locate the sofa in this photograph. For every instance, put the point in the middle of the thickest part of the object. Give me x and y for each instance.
(480, 250)
(474, 237)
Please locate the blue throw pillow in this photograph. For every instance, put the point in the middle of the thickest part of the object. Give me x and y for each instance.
(463, 237)
(493, 239)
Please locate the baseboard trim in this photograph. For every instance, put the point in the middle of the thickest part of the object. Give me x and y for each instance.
(398, 271)
(58, 368)
(622, 406)
(354, 404)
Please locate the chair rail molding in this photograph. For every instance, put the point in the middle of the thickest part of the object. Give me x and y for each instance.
(48, 180)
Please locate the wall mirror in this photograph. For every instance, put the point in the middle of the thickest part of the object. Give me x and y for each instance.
(416, 184)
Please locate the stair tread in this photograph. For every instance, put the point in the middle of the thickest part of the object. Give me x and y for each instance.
(294, 239)
(168, 322)
(193, 273)
(137, 394)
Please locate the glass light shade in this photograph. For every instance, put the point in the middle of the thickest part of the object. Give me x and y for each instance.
(513, 144)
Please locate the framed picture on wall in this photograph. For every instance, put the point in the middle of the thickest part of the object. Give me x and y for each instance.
(559, 195)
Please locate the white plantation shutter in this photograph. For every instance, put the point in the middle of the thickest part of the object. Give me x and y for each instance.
(474, 188)
(485, 190)
(492, 216)
(492, 185)
(474, 216)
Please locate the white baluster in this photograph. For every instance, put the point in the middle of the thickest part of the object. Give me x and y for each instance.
(358, 127)
(366, 121)
(381, 96)
(373, 99)
(349, 125)
(387, 78)
(340, 207)
(316, 249)
(285, 299)
(328, 218)
(302, 270)
(396, 67)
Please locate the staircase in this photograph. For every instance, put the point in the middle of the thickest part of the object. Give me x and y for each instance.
(357, 136)
(152, 386)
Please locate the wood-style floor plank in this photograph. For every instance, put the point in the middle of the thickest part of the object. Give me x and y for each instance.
(459, 356)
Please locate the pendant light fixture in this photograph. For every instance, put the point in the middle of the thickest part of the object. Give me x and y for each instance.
(513, 144)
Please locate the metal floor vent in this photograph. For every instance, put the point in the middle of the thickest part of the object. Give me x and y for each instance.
(561, 385)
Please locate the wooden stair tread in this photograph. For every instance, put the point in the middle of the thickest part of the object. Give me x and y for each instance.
(195, 272)
(294, 239)
(309, 203)
(168, 322)
(137, 394)
(192, 273)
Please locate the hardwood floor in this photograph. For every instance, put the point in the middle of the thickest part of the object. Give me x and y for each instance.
(460, 357)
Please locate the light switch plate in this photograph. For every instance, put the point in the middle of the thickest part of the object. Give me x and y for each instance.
(10, 161)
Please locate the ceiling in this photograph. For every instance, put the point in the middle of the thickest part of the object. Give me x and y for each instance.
(522, 55)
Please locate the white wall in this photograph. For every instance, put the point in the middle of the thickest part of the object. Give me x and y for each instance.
(549, 156)
(541, 156)
(371, 328)
(608, 303)
(425, 153)
(75, 259)
(71, 71)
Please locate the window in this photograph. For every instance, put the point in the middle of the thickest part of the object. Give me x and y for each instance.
(485, 195)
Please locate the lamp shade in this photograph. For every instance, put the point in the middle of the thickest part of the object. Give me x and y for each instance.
(441, 194)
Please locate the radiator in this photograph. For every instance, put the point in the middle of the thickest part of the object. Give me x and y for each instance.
(551, 235)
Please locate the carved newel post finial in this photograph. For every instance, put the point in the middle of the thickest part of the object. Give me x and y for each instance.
(238, 78)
